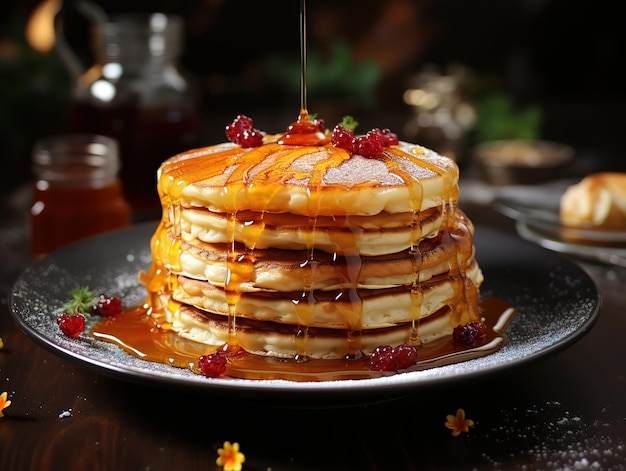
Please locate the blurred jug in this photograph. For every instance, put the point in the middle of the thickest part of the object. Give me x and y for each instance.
(135, 92)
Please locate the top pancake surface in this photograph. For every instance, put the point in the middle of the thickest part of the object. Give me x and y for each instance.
(309, 180)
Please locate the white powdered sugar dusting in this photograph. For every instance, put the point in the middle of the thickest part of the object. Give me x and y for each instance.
(549, 437)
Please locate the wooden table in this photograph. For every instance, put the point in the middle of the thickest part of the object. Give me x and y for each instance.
(567, 410)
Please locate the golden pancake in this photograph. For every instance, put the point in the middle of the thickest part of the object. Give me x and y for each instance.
(334, 235)
(309, 180)
(351, 308)
(287, 341)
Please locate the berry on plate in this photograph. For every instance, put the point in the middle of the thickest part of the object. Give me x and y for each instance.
(212, 365)
(469, 334)
(387, 358)
(72, 325)
(109, 306)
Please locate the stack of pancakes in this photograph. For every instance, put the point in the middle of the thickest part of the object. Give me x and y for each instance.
(311, 251)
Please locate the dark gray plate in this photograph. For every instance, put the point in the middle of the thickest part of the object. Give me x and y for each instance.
(557, 303)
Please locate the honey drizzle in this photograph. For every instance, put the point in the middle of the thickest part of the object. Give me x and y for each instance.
(304, 132)
(454, 229)
(303, 59)
(416, 196)
(307, 299)
(347, 247)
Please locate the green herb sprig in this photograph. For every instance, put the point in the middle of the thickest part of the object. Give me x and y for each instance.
(83, 301)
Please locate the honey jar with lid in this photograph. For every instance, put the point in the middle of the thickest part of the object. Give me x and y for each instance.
(77, 191)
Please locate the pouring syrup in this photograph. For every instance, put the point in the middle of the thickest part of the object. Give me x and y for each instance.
(304, 131)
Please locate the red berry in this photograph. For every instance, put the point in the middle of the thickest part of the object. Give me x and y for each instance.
(342, 137)
(382, 358)
(377, 137)
(72, 325)
(237, 126)
(241, 132)
(391, 138)
(405, 356)
(109, 306)
(212, 365)
(387, 358)
(369, 145)
(469, 334)
(250, 138)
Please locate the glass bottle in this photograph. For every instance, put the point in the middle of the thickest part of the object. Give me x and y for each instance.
(442, 114)
(77, 191)
(136, 93)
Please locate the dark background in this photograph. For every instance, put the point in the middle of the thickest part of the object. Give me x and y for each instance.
(565, 56)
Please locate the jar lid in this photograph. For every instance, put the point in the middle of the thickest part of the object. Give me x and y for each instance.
(76, 158)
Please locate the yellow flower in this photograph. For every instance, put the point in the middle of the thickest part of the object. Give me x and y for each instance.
(3, 403)
(458, 423)
(230, 457)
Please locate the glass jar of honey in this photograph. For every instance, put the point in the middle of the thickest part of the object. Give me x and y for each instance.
(77, 191)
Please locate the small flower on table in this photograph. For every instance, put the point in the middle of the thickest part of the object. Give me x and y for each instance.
(229, 457)
(4, 403)
(458, 423)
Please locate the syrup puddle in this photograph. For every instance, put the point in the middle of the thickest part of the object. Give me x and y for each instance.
(137, 333)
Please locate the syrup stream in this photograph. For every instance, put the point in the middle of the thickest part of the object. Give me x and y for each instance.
(303, 60)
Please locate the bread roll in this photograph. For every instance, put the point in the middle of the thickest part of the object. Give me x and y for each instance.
(598, 199)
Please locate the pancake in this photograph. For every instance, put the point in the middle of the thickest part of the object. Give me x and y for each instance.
(287, 270)
(309, 180)
(297, 249)
(375, 235)
(333, 309)
(282, 340)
